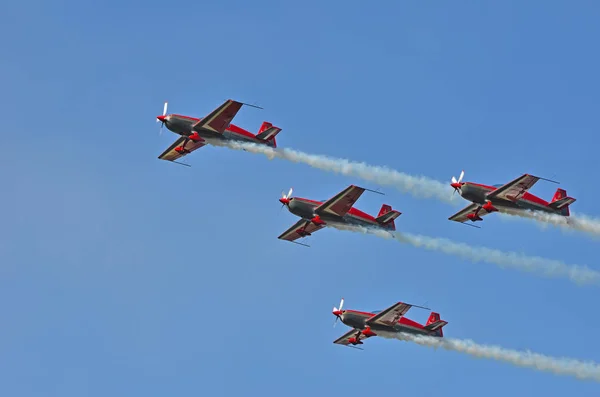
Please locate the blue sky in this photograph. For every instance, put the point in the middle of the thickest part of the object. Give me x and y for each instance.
(122, 274)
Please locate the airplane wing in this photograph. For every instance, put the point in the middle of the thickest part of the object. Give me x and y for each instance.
(171, 154)
(292, 233)
(218, 120)
(461, 216)
(341, 203)
(514, 189)
(343, 340)
(391, 315)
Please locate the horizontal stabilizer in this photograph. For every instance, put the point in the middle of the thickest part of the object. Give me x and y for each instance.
(388, 216)
(267, 131)
(436, 325)
(563, 202)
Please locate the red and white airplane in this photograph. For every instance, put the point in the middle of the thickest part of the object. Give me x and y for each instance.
(388, 322)
(197, 132)
(339, 209)
(511, 198)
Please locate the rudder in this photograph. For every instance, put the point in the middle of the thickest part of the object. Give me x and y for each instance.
(387, 215)
(435, 323)
(267, 132)
(560, 193)
(561, 202)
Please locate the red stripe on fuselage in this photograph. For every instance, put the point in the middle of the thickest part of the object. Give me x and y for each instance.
(353, 211)
(526, 197)
(232, 127)
(534, 199)
(480, 185)
(240, 131)
(403, 320)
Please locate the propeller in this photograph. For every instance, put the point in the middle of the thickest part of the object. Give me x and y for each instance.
(285, 198)
(457, 183)
(337, 312)
(161, 119)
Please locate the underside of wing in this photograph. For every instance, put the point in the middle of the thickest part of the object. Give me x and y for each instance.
(341, 203)
(353, 333)
(514, 189)
(462, 215)
(220, 118)
(391, 315)
(177, 150)
(302, 228)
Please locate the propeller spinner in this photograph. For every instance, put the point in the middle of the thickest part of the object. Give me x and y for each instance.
(161, 118)
(456, 184)
(337, 312)
(286, 198)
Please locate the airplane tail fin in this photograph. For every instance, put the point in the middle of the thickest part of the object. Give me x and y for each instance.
(435, 324)
(561, 202)
(267, 132)
(386, 217)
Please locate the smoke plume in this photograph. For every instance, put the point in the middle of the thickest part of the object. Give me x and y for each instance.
(418, 186)
(582, 223)
(558, 366)
(534, 264)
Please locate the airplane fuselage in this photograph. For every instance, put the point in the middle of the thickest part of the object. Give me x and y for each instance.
(477, 194)
(182, 125)
(357, 320)
(305, 209)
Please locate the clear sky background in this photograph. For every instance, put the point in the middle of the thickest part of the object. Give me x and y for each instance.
(124, 275)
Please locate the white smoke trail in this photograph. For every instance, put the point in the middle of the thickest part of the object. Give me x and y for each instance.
(419, 186)
(559, 366)
(580, 223)
(547, 267)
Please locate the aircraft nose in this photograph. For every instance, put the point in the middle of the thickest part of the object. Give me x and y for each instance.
(456, 185)
(284, 200)
(338, 313)
(161, 118)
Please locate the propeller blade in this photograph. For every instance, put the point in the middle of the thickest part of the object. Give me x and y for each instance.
(454, 179)
(165, 109)
(462, 173)
(282, 194)
(290, 193)
(341, 304)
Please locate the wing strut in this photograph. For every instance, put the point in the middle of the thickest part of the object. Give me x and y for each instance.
(177, 162)
(355, 347)
(295, 242)
(374, 191)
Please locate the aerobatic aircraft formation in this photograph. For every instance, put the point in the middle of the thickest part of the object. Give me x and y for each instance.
(512, 197)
